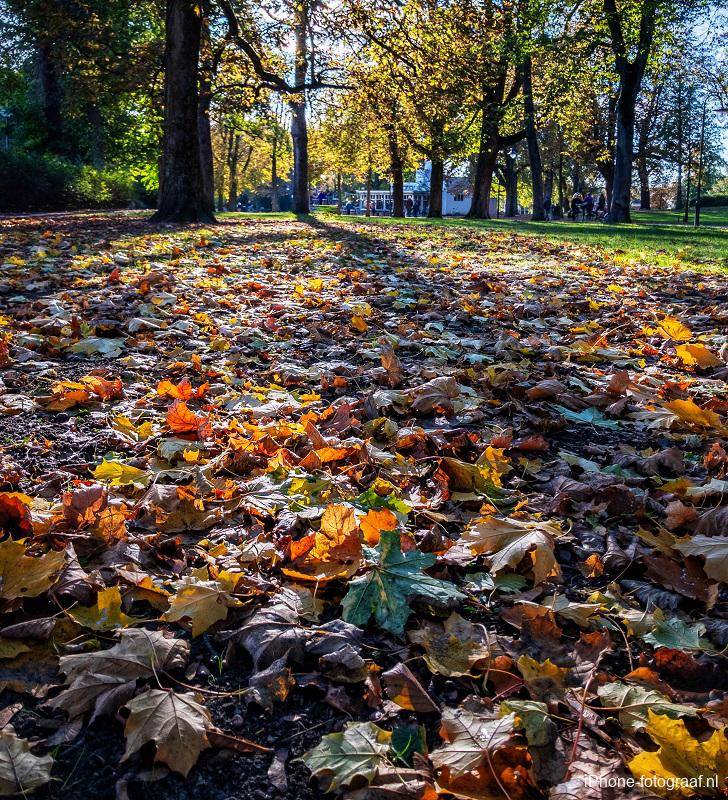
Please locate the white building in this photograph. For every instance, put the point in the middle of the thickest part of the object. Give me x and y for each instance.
(456, 196)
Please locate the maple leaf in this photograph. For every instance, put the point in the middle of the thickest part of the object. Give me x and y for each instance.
(334, 551)
(714, 549)
(672, 328)
(26, 576)
(176, 723)
(697, 355)
(182, 420)
(105, 614)
(358, 751)
(508, 541)
(406, 691)
(202, 602)
(455, 647)
(105, 679)
(681, 759)
(689, 411)
(394, 578)
(468, 738)
(15, 517)
(20, 770)
(638, 701)
(117, 474)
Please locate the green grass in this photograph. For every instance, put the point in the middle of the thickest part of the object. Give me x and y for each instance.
(652, 238)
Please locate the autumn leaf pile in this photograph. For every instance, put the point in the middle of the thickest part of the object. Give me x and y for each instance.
(465, 491)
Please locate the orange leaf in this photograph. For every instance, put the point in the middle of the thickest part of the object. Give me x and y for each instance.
(374, 522)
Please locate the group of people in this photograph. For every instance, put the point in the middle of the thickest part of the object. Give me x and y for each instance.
(581, 207)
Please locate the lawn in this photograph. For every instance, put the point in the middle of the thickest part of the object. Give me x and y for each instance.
(653, 238)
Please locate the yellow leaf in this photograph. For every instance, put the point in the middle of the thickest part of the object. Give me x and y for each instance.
(672, 328)
(683, 766)
(26, 576)
(106, 614)
(697, 355)
(117, 474)
(359, 324)
(202, 602)
(689, 411)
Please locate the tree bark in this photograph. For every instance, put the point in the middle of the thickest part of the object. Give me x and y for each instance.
(437, 175)
(511, 187)
(234, 156)
(275, 204)
(484, 167)
(181, 196)
(630, 78)
(619, 209)
(338, 193)
(52, 97)
(538, 213)
(299, 123)
(207, 161)
(396, 169)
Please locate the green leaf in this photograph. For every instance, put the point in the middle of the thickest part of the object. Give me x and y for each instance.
(533, 719)
(673, 632)
(394, 578)
(639, 702)
(589, 416)
(359, 750)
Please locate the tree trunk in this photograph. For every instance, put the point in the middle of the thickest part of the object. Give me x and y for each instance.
(207, 161)
(299, 123)
(534, 153)
(338, 193)
(619, 210)
(437, 175)
(275, 204)
(96, 135)
(679, 144)
(511, 186)
(368, 209)
(396, 169)
(181, 197)
(52, 97)
(484, 167)
(233, 165)
(644, 178)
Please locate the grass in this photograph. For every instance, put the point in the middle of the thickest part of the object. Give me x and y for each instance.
(653, 238)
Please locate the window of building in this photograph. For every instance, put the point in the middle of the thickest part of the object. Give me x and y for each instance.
(459, 198)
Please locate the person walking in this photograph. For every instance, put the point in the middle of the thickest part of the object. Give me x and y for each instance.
(589, 206)
(409, 206)
(576, 201)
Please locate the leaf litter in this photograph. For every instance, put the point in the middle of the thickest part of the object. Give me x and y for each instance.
(290, 508)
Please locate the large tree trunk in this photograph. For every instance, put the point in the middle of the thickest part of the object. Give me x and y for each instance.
(299, 123)
(275, 204)
(534, 153)
(52, 97)
(511, 186)
(437, 175)
(396, 169)
(207, 161)
(181, 196)
(233, 159)
(619, 210)
(484, 167)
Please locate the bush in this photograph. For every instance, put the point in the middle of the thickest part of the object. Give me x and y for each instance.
(31, 182)
(714, 200)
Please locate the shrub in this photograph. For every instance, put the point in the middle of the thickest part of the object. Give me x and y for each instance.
(714, 200)
(31, 182)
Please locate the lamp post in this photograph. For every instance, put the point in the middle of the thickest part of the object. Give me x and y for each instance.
(698, 186)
